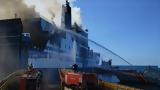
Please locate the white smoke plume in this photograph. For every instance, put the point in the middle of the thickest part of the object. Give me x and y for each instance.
(76, 16)
(52, 9)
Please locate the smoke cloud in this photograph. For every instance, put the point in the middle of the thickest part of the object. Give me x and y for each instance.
(76, 14)
(15, 8)
(52, 9)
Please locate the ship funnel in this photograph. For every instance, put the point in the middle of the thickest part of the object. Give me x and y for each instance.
(66, 16)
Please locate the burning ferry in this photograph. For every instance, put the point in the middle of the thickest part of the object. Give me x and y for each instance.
(39, 42)
(44, 45)
(65, 46)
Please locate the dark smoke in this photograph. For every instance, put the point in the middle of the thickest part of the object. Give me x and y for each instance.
(15, 8)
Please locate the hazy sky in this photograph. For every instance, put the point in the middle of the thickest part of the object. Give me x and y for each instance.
(130, 28)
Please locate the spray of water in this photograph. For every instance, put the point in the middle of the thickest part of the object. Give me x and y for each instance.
(106, 50)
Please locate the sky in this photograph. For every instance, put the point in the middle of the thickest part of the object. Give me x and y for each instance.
(130, 28)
